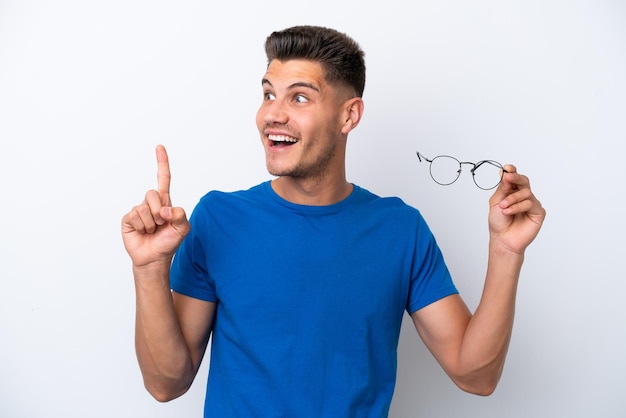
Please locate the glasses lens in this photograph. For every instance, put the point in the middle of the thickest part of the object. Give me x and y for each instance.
(445, 169)
(487, 174)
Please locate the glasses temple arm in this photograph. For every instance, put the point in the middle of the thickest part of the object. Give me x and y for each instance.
(420, 156)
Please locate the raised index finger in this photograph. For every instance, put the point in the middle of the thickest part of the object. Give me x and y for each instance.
(163, 174)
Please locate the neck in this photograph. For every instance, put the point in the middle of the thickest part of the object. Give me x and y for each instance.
(312, 192)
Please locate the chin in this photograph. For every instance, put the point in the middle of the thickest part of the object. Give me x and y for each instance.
(277, 169)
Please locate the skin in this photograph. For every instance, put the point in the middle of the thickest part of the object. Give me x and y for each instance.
(300, 104)
(172, 330)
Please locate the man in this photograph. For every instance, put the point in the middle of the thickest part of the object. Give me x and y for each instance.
(302, 281)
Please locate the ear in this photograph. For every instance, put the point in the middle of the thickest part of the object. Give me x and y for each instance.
(353, 111)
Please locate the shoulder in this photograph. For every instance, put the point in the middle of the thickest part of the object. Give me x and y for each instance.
(394, 204)
(391, 211)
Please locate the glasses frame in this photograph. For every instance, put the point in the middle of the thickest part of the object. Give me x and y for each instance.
(475, 166)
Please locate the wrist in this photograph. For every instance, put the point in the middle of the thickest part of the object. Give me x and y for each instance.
(153, 271)
(498, 244)
(502, 256)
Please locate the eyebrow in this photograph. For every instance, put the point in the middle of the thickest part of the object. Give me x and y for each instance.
(294, 85)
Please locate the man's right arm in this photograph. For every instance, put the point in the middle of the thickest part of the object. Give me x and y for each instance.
(172, 330)
(171, 334)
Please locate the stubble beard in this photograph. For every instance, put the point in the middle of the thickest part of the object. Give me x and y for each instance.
(306, 169)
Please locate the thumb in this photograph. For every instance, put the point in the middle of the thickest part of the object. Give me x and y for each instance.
(176, 217)
(506, 187)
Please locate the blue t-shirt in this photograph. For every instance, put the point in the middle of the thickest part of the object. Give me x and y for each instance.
(310, 299)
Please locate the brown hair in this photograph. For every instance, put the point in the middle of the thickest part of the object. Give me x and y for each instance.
(340, 56)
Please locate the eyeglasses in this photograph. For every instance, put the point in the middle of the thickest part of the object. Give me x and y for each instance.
(445, 170)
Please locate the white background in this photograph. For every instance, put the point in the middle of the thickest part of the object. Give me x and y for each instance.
(88, 88)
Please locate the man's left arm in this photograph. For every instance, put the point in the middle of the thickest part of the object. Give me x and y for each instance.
(472, 348)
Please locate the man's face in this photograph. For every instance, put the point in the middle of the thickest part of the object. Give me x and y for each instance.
(300, 121)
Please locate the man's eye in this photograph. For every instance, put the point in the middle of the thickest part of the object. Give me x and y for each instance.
(269, 96)
(301, 99)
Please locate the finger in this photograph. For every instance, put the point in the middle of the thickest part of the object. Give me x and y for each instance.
(153, 201)
(530, 208)
(511, 179)
(131, 222)
(139, 219)
(511, 182)
(510, 168)
(505, 187)
(147, 218)
(520, 201)
(163, 175)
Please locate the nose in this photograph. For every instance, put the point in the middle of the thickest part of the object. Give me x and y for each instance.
(273, 112)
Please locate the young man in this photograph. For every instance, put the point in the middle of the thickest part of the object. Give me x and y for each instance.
(302, 281)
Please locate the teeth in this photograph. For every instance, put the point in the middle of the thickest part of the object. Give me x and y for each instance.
(281, 138)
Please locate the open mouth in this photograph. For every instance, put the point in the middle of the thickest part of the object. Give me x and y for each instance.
(281, 140)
